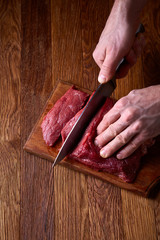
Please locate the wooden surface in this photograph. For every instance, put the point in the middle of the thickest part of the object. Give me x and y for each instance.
(40, 43)
(148, 176)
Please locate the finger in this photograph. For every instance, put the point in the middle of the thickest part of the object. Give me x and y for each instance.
(137, 48)
(138, 45)
(131, 147)
(99, 57)
(135, 51)
(121, 139)
(99, 62)
(118, 142)
(107, 120)
(122, 72)
(109, 66)
(131, 57)
(113, 115)
(112, 131)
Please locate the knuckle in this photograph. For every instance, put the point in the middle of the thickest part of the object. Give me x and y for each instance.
(94, 54)
(102, 138)
(112, 130)
(107, 68)
(122, 102)
(138, 126)
(105, 117)
(121, 139)
(134, 145)
(105, 120)
(97, 55)
(132, 93)
(129, 114)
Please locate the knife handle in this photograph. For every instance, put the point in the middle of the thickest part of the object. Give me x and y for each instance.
(140, 29)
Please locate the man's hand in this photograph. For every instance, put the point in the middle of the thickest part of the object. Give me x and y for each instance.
(134, 119)
(118, 40)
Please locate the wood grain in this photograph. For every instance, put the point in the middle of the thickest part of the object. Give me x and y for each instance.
(66, 41)
(104, 203)
(10, 53)
(141, 224)
(40, 43)
(37, 190)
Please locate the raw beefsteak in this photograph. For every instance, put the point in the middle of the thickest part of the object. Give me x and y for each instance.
(63, 110)
(87, 153)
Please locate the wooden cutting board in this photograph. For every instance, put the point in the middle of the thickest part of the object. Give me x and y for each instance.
(148, 176)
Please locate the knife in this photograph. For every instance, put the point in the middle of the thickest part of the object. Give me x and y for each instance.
(103, 91)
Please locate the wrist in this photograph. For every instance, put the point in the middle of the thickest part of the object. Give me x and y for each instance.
(128, 11)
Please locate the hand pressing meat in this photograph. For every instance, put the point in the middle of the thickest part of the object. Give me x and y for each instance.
(87, 153)
(133, 120)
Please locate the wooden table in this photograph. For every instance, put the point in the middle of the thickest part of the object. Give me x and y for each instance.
(40, 43)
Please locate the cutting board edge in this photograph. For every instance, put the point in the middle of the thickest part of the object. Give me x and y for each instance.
(152, 185)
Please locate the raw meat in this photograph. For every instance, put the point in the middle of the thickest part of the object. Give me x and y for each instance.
(63, 110)
(87, 153)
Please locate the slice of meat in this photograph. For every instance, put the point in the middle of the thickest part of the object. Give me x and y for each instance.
(63, 110)
(87, 153)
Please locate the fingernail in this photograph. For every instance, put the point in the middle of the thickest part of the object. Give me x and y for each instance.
(103, 153)
(101, 79)
(119, 156)
(96, 142)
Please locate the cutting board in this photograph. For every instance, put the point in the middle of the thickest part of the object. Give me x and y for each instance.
(147, 178)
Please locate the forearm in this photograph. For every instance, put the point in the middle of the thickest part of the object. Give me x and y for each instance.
(129, 10)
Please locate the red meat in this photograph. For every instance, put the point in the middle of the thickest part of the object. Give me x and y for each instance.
(63, 110)
(87, 153)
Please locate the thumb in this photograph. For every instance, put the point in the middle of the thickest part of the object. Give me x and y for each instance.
(108, 68)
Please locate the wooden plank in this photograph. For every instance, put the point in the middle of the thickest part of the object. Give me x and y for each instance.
(71, 205)
(66, 41)
(138, 217)
(155, 204)
(37, 190)
(105, 210)
(10, 53)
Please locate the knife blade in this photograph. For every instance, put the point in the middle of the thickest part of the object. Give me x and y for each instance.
(89, 111)
(103, 91)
